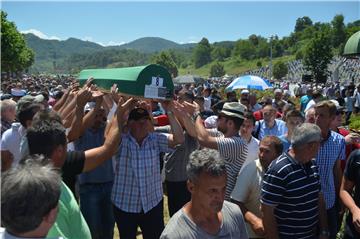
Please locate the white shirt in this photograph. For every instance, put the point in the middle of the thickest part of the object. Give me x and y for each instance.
(253, 149)
(11, 139)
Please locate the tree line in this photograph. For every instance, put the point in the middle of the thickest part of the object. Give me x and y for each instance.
(314, 43)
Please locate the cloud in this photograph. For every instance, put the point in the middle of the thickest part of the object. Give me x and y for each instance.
(111, 43)
(40, 34)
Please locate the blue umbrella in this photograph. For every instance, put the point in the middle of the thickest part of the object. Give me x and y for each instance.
(248, 82)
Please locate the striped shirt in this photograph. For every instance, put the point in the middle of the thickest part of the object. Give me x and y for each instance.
(138, 186)
(293, 190)
(234, 151)
(330, 150)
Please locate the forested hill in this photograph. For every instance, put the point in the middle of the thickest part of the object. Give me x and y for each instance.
(50, 52)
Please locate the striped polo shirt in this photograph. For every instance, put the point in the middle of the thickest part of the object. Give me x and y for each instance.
(234, 152)
(293, 190)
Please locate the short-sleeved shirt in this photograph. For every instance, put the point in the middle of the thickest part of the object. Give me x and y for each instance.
(138, 185)
(181, 226)
(331, 150)
(69, 223)
(293, 190)
(253, 150)
(234, 151)
(177, 159)
(73, 166)
(352, 173)
(104, 172)
(247, 190)
(10, 140)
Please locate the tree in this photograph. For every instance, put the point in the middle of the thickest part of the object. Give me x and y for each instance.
(217, 69)
(302, 23)
(280, 70)
(164, 59)
(338, 32)
(15, 55)
(220, 53)
(317, 55)
(245, 49)
(202, 53)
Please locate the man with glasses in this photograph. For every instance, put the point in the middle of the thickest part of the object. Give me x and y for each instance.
(291, 198)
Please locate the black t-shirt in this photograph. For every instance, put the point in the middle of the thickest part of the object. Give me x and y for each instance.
(73, 166)
(352, 173)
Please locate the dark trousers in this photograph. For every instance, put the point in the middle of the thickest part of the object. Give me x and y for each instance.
(150, 223)
(332, 216)
(178, 196)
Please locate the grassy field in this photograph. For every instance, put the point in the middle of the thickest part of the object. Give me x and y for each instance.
(233, 66)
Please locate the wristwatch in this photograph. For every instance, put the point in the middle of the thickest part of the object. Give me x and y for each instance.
(325, 232)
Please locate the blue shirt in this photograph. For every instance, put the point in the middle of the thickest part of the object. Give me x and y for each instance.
(331, 149)
(138, 184)
(304, 100)
(278, 129)
(285, 142)
(104, 172)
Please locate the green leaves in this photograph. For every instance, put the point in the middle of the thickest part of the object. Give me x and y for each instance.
(15, 55)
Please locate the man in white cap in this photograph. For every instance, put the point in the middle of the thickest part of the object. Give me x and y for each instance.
(225, 138)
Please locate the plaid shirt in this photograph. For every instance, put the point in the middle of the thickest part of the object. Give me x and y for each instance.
(138, 185)
(331, 150)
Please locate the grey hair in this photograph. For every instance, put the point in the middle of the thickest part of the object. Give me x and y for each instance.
(205, 160)
(28, 193)
(305, 133)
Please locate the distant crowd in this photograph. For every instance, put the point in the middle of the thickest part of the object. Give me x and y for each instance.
(76, 161)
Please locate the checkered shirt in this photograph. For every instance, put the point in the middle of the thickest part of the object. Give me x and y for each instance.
(331, 150)
(138, 185)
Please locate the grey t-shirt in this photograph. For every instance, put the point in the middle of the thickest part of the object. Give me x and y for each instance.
(181, 226)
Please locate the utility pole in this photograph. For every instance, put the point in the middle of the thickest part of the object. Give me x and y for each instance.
(270, 65)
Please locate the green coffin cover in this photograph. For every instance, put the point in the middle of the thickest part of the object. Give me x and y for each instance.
(150, 81)
(352, 46)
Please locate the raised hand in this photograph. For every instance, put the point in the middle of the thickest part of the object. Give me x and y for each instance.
(83, 96)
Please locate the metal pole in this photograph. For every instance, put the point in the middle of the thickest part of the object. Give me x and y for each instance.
(270, 57)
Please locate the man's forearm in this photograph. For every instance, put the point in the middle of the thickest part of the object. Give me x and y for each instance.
(269, 222)
(176, 129)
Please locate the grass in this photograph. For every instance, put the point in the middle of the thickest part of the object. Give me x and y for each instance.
(233, 66)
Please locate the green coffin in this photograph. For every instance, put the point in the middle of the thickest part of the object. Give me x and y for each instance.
(150, 81)
(352, 46)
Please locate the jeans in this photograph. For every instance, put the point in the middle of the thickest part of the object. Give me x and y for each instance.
(151, 223)
(178, 196)
(96, 206)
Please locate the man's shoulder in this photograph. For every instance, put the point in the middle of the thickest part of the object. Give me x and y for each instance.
(178, 227)
(280, 165)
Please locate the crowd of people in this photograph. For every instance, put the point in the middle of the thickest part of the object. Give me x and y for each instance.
(76, 161)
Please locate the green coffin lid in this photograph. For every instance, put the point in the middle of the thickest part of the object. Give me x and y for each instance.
(150, 81)
(352, 46)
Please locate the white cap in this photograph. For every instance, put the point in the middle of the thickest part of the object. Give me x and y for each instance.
(245, 92)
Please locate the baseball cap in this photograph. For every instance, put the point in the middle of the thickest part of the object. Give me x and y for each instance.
(138, 113)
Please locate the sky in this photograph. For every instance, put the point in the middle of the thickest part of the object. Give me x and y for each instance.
(119, 22)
